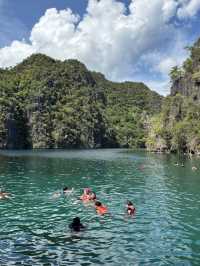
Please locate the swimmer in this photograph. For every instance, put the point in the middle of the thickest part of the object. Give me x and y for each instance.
(76, 225)
(4, 195)
(86, 194)
(100, 208)
(93, 196)
(194, 168)
(65, 191)
(130, 208)
(56, 195)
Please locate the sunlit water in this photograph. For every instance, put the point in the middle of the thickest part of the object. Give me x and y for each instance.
(34, 226)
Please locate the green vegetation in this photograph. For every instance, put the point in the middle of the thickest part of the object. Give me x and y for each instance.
(176, 73)
(45, 103)
(177, 127)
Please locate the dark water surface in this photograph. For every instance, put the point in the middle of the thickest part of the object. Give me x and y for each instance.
(34, 226)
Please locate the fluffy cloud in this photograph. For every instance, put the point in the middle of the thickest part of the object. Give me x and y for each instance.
(169, 9)
(15, 53)
(188, 8)
(120, 43)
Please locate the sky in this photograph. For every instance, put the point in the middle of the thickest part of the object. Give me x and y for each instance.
(136, 40)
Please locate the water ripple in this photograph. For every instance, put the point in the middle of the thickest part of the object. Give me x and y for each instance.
(34, 226)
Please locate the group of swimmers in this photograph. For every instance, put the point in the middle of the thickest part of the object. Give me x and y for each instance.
(89, 196)
(194, 168)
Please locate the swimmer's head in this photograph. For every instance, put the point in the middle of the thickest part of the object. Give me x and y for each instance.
(65, 189)
(93, 196)
(76, 221)
(87, 190)
(129, 203)
(98, 203)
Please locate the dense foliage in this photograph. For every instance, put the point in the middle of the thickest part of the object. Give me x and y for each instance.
(45, 103)
(177, 127)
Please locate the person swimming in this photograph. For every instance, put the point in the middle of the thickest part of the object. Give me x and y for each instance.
(76, 225)
(100, 208)
(4, 195)
(93, 196)
(130, 208)
(65, 191)
(88, 195)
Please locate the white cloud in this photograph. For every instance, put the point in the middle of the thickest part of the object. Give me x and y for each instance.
(169, 9)
(162, 62)
(108, 39)
(160, 86)
(188, 8)
(166, 64)
(16, 52)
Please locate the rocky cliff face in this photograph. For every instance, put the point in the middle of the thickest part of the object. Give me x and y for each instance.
(186, 86)
(177, 127)
(186, 80)
(45, 103)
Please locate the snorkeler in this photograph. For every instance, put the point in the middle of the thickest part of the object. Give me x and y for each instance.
(100, 208)
(130, 208)
(76, 225)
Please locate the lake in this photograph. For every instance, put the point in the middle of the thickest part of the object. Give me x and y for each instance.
(34, 226)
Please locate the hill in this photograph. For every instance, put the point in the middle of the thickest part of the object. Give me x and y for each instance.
(46, 103)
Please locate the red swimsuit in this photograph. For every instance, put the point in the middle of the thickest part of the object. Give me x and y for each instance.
(131, 210)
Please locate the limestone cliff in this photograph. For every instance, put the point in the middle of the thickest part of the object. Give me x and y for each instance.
(177, 127)
(46, 103)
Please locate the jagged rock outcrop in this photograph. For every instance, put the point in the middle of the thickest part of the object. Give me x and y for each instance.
(186, 80)
(177, 127)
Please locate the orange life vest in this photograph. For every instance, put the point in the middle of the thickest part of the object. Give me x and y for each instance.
(101, 209)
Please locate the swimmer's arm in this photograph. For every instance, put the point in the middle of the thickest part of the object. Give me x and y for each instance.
(56, 195)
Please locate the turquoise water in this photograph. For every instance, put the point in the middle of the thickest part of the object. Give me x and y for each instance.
(34, 226)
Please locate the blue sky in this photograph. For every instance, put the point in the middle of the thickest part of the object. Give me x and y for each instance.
(30, 11)
(27, 12)
(125, 40)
